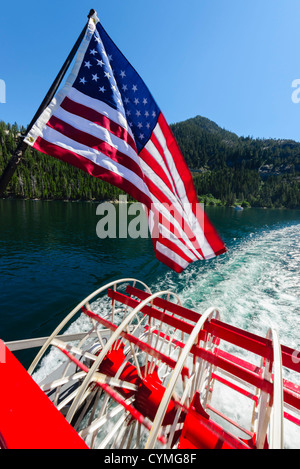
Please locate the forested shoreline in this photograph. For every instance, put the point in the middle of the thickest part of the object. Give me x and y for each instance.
(227, 169)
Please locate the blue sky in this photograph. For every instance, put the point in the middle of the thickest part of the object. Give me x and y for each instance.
(233, 62)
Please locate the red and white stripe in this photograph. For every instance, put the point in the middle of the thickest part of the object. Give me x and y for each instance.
(96, 138)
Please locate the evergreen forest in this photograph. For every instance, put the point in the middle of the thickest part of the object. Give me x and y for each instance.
(227, 169)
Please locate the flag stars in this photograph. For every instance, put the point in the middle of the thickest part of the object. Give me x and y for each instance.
(102, 78)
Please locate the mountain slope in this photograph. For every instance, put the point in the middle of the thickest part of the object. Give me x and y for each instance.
(232, 169)
(205, 144)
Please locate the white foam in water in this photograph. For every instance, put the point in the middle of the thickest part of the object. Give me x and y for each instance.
(255, 286)
(54, 357)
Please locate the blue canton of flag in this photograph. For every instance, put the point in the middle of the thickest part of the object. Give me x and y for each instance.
(107, 75)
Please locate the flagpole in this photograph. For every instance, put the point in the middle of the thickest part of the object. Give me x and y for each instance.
(21, 147)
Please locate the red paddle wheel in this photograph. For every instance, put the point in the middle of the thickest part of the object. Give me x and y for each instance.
(150, 373)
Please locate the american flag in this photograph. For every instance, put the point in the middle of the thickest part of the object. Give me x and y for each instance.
(106, 122)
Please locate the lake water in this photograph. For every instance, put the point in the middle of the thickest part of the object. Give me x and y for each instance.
(51, 258)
